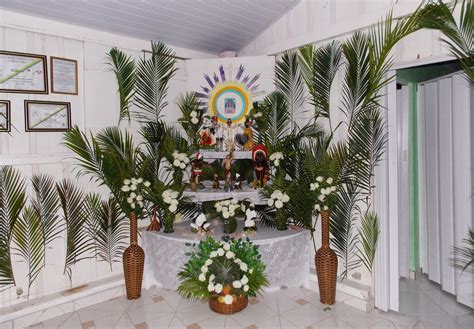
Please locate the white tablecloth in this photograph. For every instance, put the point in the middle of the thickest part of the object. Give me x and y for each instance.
(285, 254)
(247, 193)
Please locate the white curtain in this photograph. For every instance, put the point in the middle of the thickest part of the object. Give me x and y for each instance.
(446, 131)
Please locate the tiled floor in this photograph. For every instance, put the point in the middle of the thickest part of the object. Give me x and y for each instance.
(422, 306)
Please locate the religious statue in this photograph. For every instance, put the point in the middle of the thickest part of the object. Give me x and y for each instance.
(238, 182)
(245, 138)
(250, 219)
(196, 172)
(260, 163)
(229, 136)
(217, 131)
(215, 182)
(200, 224)
(228, 172)
(207, 138)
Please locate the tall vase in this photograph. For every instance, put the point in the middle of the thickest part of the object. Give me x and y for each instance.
(280, 221)
(326, 265)
(133, 262)
(168, 222)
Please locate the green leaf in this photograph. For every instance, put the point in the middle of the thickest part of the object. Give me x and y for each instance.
(369, 231)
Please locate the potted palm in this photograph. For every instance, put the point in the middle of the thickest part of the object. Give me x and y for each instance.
(225, 273)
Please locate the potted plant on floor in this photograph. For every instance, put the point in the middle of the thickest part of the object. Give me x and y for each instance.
(225, 273)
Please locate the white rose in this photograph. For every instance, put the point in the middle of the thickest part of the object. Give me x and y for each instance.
(167, 200)
(126, 181)
(228, 299)
(133, 195)
(244, 280)
(246, 288)
(272, 157)
(210, 287)
(316, 185)
(312, 187)
(139, 197)
(270, 202)
(251, 271)
(213, 254)
(125, 188)
(133, 187)
(208, 262)
(147, 184)
(243, 267)
(329, 180)
(333, 189)
(226, 247)
(225, 214)
(204, 269)
(193, 114)
(182, 165)
(212, 277)
(218, 288)
(220, 252)
(321, 197)
(230, 255)
(319, 179)
(140, 180)
(317, 207)
(202, 277)
(286, 198)
(326, 208)
(231, 213)
(237, 284)
(140, 204)
(172, 208)
(278, 204)
(130, 200)
(176, 163)
(277, 163)
(132, 205)
(194, 121)
(237, 261)
(323, 191)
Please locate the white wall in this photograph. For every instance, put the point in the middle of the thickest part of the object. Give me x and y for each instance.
(95, 107)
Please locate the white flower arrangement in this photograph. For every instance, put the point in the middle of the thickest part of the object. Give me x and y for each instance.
(276, 158)
(324, 188)
(194, 117)
(228, 208)
(134, 186)
(180, 160)
(278, 199)
(171, 197)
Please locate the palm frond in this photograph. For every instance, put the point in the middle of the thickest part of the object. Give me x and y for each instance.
(109, 229)
(369, 231)
(78, 242)
(289, 82)
(45, 201)
(123, 67)
(343, 221)
(152, 79)
(29, 243)
(188, 103)
(12, 200)
(463, 257)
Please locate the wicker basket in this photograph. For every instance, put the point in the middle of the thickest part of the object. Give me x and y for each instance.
(326, 265)
(238, 305)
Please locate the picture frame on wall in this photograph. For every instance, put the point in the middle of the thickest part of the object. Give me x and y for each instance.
(5, 118)
(47, 116)
(23, 73)
(63, 76)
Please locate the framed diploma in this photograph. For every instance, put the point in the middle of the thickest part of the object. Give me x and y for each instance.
(23, 73)
(47, 116)
(5, 125)
(63, 76)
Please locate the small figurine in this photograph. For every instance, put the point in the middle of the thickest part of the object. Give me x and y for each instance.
(238, 182)
(260, 159)
(196, 171)
(228, 172)
(215, 182)
(229, 135)
(200, 224)
(245, 139)
(250, 218)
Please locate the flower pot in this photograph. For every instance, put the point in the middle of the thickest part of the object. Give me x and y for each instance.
(280, 221)
(326, 265)
(168, 222)
(237, 305)
(229, 225)
(133, 262)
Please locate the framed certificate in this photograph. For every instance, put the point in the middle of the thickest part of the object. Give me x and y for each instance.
(5, 121)
(23, 73)
(63, 76)
(47, 116)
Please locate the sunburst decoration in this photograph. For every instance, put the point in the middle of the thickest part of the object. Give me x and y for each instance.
(228, 99)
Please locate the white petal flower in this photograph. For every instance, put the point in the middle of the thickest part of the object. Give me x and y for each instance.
(134, 180)
(321, 197)
(251, 271)
(229, 255)
(213, 254)
(312, 187)
(126, 182)
(244, 280)
(208, 262)
(326, 208)
(226, 246)
(237, 261)
(204, 269)
(133, 187)
(202, 277)
(125, 188)
(193, 114)
(286, 198)
(147, 184)
(139, 197)
(210, 287)
(270, 202)
(167, 200)
(319, 179)
(243, 267)
(176, 163)
(172, 208)
(133, 195)
(333, 189)
(317, 207)
(132, 205)
(130, 200)
(237, 284)
(278, 204)
(220, 252)
(323, 191)
(218, 288)
(225, 214)
(140, 204)
(276, 163)
(212, 277)
(329, 180)
(182, 165)
(194, 121)
(140, 180)
(246, 288)
(228, 299)
(316, 185)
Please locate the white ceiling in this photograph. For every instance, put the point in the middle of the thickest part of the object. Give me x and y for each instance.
(206, 25)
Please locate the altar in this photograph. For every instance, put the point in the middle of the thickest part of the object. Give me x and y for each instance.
(285, 253)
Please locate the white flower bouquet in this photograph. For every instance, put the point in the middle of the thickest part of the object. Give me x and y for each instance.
(325, 191)
(134, 187)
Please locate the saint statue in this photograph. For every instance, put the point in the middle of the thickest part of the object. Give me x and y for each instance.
(229, 135)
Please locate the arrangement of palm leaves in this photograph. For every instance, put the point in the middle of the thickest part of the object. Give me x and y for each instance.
(463, 257)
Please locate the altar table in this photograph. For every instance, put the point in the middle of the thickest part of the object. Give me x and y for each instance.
(285, 254)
